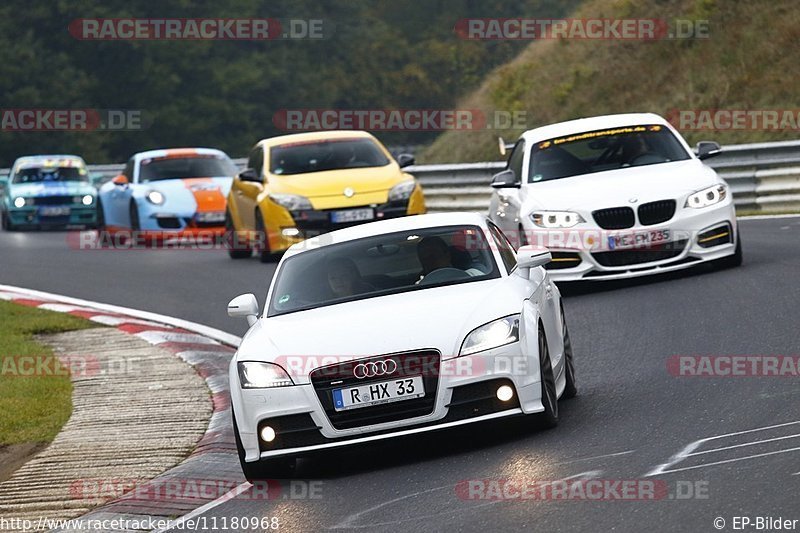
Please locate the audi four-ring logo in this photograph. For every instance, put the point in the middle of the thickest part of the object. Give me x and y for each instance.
(375, 368)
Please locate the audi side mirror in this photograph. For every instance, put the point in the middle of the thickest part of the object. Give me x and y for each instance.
(245, 306)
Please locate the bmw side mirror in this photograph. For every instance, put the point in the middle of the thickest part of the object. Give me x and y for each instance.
(506, 179)
(245, 306)
(405, 160)
(250, 174)
(706, 149)
(529, 257)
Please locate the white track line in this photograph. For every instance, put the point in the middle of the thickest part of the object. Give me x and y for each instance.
(231, 494)
(745, 444)
(689, 448)
(207, 331)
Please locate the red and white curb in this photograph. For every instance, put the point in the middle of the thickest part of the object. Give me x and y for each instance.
(209, 352)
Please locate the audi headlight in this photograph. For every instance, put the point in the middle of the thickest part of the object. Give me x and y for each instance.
(706, 197)
(292, 202)
(556, 219)
(19, 201)
(402, 191)
(155, 197)
(492, 335)
(255, 375)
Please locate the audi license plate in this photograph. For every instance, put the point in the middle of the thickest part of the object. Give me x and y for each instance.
(641, 239)
(352, 215)
(54, 211)
(378, 393)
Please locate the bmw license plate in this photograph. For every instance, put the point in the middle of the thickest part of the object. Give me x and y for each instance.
(352, 215)
(378, 393)
(54, 211)
(641, 239)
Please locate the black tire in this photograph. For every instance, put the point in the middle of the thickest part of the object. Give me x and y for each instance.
(134, 214)
(100, 216)
(282, 468)
(549, 418)
(6, 223)
(262, 246)
(570, 389)
(735, 260)
(236, 250)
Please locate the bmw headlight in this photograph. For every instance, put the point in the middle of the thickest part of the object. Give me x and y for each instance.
(256, 375)
(402, 191)
(706, 197)
(155, 197)
(556, 219)
(87, 200)
(292, 202)
(492, 335)
(19, 201)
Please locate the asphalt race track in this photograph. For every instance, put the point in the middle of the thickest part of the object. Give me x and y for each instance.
(631, 415)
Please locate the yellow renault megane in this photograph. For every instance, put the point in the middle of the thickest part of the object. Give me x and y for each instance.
(301, 185)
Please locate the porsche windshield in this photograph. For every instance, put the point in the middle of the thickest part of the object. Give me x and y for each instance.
(381, 265)
(185, 167)
(597, 151)
(50, 174)
(317, 156)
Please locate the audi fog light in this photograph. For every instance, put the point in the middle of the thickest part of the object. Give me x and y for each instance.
(505, 393)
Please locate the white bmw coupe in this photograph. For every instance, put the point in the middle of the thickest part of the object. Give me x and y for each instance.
(394, 328)
(616, 196)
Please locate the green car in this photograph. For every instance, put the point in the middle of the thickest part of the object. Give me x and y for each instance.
(48, 191)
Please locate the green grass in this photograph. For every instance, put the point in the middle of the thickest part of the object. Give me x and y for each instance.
(746, 63)
(34, 408)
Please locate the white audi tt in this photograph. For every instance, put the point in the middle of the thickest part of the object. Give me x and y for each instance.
(394, 328)
(616, 196)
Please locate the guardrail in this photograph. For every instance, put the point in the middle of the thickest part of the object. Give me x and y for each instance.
(764, 177)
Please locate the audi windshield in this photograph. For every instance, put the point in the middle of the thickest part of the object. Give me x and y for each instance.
(382, 265)
(598, 151)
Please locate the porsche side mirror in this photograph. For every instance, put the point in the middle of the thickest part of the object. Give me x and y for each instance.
(120, 180)
(245, 306)
(529, 257)
(250, 174)
(405, 160)
(506, 179)
(706, 149)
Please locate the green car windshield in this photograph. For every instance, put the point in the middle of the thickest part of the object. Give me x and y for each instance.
(50, 174)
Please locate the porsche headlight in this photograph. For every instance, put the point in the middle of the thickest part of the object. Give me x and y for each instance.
(292, 202)
(556, 219)
(402, 191)
(256, 375)
(19, 201)
(706, 197)
(492, 335)
(155, 197)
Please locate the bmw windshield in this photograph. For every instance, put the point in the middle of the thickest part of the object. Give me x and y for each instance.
(40, 174)
(598, 151)
(382, 265)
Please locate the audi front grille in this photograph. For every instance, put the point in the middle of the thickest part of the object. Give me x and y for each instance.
(424, 363)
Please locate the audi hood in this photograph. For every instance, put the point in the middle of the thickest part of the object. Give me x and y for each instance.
(406, 321)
